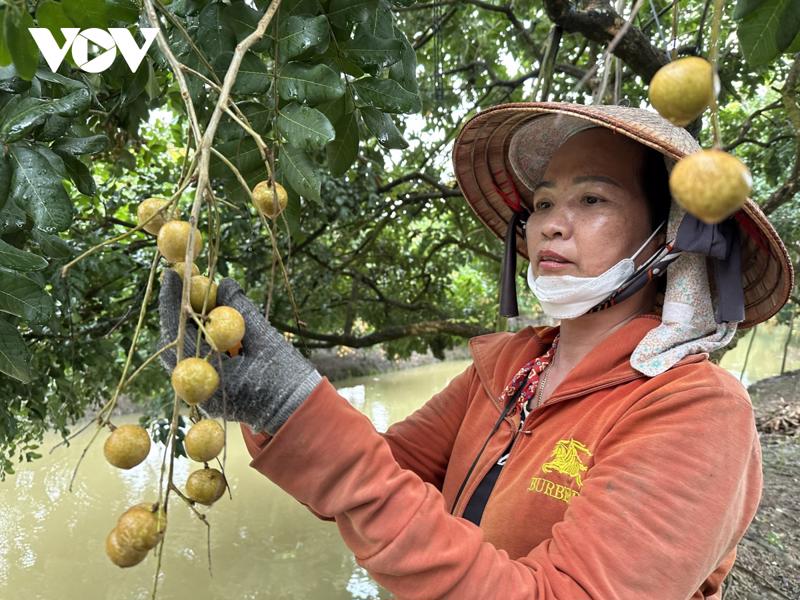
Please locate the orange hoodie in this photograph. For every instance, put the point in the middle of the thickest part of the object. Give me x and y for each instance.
(621, 486)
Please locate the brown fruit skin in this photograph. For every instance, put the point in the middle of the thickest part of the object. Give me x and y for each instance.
(681, 90)
(172, 239)
(127, 446)
(140, 528)
(224, 328)
(194, 380)
(179, 266)
(146, 209)
(121, 554)
(205, 486)
(264, 199)
(205, 440)
(710, 184)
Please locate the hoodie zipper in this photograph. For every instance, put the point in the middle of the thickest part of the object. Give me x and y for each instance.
(469, 489)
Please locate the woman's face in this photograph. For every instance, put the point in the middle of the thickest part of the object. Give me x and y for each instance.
(590, 207)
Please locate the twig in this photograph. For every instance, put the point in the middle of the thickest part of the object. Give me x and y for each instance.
(601, 90)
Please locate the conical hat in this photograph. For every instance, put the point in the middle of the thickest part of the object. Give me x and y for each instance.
(494, 190)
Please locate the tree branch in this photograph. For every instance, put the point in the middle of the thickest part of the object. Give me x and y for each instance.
(600, 23)
(395, 332)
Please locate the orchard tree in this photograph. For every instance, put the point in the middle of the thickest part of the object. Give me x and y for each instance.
(352, 107)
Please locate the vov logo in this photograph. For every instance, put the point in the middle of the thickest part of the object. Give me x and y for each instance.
(111, 40)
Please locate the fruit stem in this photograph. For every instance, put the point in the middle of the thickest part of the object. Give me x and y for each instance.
(713, 56)
(674, 51)
(106, 410)
(65, 269)
(150, 359)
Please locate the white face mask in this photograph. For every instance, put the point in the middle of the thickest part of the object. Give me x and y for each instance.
(568, 296)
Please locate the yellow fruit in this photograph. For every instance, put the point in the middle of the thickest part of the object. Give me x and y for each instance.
(127, 446)
(140, 527)
(120, 554)
(173, 237)
(681, 90)
(179, 266)
(204, 440)
(197, 293)
(205, 486)
(194, 380)
(148, 208)
(710, 184)
(224, 328)
(264, 199)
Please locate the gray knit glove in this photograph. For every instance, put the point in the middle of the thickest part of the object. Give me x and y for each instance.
(265, 383)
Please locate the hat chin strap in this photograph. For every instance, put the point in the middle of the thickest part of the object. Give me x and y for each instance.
(508, 278)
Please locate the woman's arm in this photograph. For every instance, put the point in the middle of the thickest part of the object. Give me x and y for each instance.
(422, 442)
(673, 488)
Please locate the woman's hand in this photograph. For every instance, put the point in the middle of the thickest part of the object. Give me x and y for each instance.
(265, 383)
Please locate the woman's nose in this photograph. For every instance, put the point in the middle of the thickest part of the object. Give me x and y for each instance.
(556, 222)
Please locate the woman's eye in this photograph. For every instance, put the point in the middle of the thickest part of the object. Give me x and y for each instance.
(539, 205)
(592, 199)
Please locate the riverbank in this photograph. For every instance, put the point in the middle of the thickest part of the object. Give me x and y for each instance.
(338, 365)
(768, 557)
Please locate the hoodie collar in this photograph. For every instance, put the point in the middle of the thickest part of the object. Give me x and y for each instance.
(497, 358)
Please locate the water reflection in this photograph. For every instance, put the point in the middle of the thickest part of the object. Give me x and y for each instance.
(264, 544)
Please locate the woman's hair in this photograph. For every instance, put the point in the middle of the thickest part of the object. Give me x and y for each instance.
(655, 183)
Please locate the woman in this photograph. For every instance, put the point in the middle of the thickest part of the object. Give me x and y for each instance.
(602, 458)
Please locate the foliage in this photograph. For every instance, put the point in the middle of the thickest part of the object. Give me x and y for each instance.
(377, 241)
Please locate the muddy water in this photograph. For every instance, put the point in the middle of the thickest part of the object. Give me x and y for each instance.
(264, 545)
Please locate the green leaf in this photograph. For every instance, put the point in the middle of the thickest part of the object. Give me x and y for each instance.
(300, 7)
(54, 127)
(87, 13)
(24, 298)
(14, 356)
(242, 152)
(51, 245)
(404, 71)
(383, 128)
(758, 32)
(380, 23)
(310, 84)
(51, 15)
(123, 11)
(342, 151)
(346, 12)
(370, 52)
(304, 127)
(795, 45)
(243, 20)
(38, 190)
(32, 112)
(789, 26)
(19, 260)
(301, 173)
(5, 54)
(5, 179)
(79, 173)
(12, 217)
(387, 95)
(301, 35)
(214, 35)
(85, 145)
(253, 77)
(21, 45)
(745, 7)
